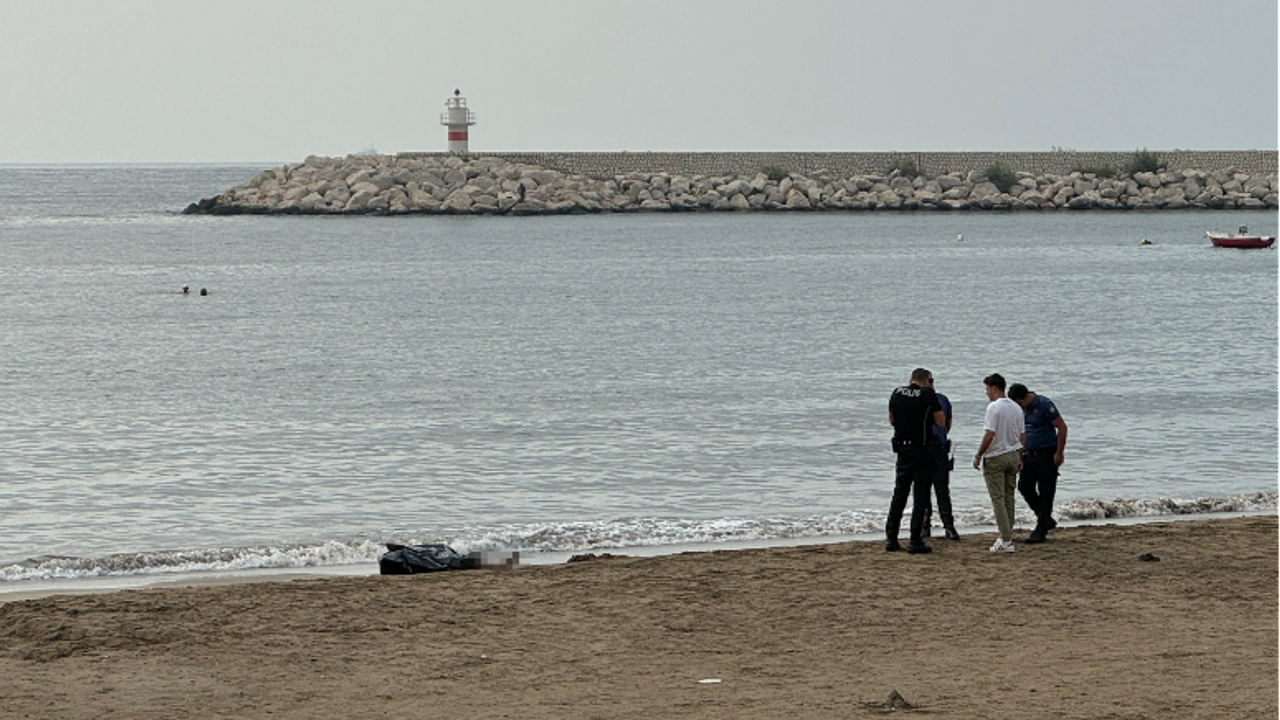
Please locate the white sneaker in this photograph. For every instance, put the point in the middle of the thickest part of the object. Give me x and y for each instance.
(1003, 546)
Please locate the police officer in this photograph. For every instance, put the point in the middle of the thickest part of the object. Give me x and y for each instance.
(913, 410)
(1046, 443)
(940, 444)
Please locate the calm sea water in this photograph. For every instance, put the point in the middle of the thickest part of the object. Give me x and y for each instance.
(582, 382)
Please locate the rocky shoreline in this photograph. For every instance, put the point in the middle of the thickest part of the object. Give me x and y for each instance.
(491, 185)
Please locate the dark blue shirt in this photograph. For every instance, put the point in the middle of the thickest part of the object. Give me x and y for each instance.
(1039, 416)
(940, 432)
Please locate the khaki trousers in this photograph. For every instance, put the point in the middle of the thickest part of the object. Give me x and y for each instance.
(1001, 474)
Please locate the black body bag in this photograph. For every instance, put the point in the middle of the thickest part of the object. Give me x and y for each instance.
(414, 559)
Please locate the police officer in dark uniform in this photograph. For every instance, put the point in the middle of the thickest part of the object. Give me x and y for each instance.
(940, 444)
(1041, 458)
(913, 410)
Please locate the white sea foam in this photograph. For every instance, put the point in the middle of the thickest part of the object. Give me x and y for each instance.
(193, 561)
(581, 537)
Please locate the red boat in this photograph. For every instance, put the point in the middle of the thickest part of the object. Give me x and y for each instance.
(1241, 239)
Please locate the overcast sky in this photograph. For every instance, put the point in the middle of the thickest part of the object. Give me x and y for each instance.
(277, 80)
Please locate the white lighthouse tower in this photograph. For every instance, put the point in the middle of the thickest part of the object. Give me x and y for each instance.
(457, 118)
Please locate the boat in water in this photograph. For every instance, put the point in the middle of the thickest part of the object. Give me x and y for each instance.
(1242, 239)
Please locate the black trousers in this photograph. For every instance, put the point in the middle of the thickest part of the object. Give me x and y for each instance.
(915, 470)
(941, 487)
(1038, 483)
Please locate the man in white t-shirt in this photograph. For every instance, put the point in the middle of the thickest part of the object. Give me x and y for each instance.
(1000, 457)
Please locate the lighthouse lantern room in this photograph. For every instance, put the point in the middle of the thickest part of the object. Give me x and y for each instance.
(457, 118)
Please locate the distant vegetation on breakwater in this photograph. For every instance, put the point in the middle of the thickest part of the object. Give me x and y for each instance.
(554, 183)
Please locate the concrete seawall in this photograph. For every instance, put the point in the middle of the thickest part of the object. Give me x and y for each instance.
(553, 183)
(606, 165)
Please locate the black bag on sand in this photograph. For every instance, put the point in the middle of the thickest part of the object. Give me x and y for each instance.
(414, 559)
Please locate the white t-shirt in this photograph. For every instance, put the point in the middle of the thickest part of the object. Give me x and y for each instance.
(1004, 418)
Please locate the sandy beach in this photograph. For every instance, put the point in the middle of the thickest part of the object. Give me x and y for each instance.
(1079, 627)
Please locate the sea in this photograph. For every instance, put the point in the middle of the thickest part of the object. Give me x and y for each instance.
(583, 383)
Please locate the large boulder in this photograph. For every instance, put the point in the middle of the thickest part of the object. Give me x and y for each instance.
(422, 200)
(363, 194)
(1032, 198)
(1257, 187)
(737, 186)
(312, 203)
(458, 201)
(1147, 179)
(682, 201)
(359, 176)
(541, 176)
(889, 200)
(983, 189)
(507, 200)
(1171, 196)
(295, 193)
(946, 182)
(797, 200)
(1084, 201)
(529, 207)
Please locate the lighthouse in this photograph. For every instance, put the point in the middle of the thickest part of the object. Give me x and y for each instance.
(457, 118)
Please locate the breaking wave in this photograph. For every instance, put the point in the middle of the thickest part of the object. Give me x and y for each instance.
(580, 536)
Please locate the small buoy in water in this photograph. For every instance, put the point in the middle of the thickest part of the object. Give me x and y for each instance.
(204, 291)
(1146, 242)
(960, 237)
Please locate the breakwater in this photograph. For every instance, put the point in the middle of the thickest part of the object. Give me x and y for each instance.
(553, 183)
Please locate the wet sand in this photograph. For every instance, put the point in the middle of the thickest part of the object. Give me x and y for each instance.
(1078, 627)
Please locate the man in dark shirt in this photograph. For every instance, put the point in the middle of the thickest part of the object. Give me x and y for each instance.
(913, 410)
(941, 447)
(1046, 443)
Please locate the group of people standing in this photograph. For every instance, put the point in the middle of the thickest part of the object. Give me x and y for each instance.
(1023, 434)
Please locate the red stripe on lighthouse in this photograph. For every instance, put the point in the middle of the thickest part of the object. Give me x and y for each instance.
(457, 135)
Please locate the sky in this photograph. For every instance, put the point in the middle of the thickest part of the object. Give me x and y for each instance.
(140, 81)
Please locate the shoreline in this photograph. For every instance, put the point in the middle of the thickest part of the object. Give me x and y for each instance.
(1079, 627)
(35, 589)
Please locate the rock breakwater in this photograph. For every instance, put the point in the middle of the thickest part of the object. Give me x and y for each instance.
(471, 184)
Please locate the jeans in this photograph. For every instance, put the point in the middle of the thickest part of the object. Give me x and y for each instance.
(1038, 484)
(914, 473)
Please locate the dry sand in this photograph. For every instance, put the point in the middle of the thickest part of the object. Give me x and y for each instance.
(1075, 628)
